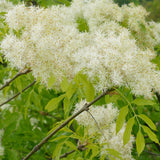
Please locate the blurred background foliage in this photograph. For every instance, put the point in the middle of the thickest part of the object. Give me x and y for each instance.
(152, 6)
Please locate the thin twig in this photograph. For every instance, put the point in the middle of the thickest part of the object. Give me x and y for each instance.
(18, 93)
(97, 124)
(66, 154)
(152, 153)
(80, 147)
(45, 140)
(16, 76)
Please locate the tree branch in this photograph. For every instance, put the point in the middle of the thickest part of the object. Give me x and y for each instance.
(84, 108)
(80, 147)
(97, 124)
(18, 93)
(16, 76)
(152, 153)
(66, 154)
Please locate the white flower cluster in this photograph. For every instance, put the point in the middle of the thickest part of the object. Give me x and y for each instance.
(117, 50)
(105, 117)
(4, 7)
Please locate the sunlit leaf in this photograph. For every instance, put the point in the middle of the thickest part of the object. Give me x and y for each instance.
(64, 84)
(53, 103)
(89, 89)
(66, 105)
(140, 101)
(140, 142)
(51, 81)
(128, 130)
(148, 121)
(121, 118)
(114, 153)
(57, 152)
(151, 134)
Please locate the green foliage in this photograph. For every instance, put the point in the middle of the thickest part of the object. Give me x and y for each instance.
(141, 102)
(122, 2)
(156, 60)
(53, 104)
(152, 6)
(151, 135)
(140, 142)
(32, 105)
(42, 3)
(89, 90)
(148, 121)
(51, 81)
(128, 130)
(121, 118)
(114, 153)
(82, 25)
(139, 135)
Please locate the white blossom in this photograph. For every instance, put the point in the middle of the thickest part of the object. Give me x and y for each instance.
(5, 6)
(105, 116)
(117, 50)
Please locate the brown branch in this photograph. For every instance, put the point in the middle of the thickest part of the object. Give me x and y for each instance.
(80, 147)
(66, 154)
(18, 93)
(45, 140)
(16, 76)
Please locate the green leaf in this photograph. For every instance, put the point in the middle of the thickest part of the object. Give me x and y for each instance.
(148, 121)
(12, 155)
(95, 150)
(151, 135)
(35, 98)
(51, 81)
(140, 101)
(57, 152)
(66, 104)
(70, 90)
(64, 84)
(71, 145)
(121, 118)
(89, 89)
(59, 138)
(63, 2)
(103, 157)
(19, 84)
(111, 158)
(114, 153)
(128, 130)
(79, 158)
(112, 99)
(140, 142)
(1, 60)
(82, 24)
(53, 103)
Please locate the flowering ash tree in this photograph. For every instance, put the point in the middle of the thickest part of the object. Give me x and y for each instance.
(82, 49)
